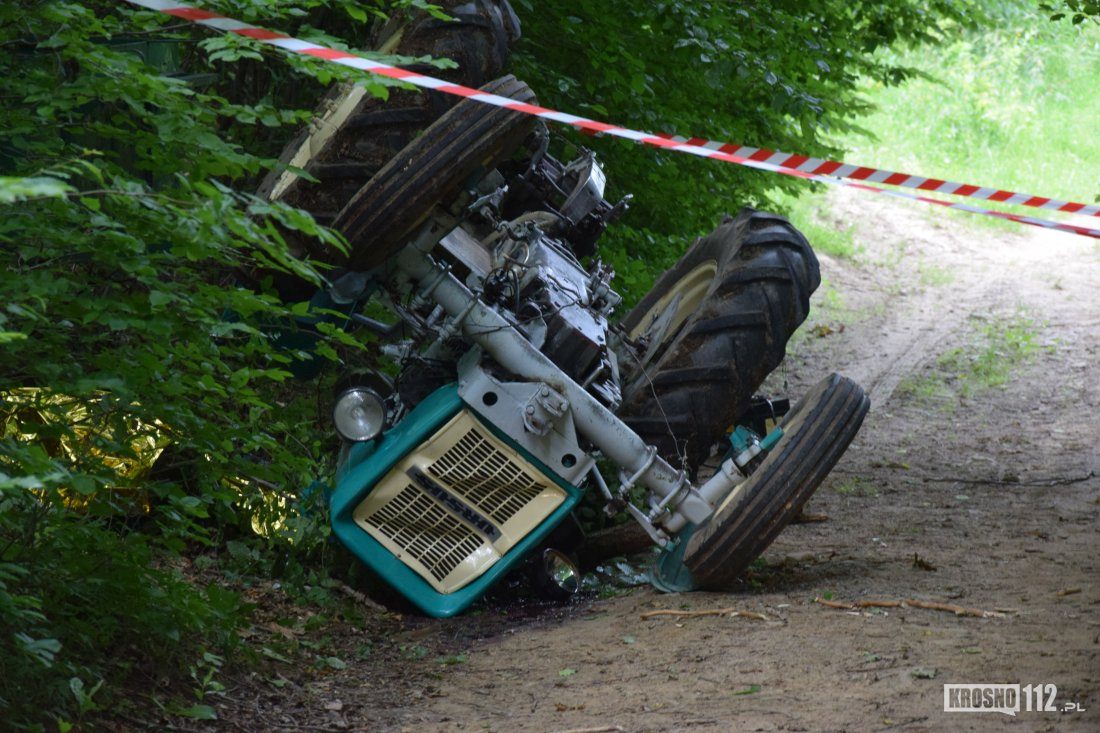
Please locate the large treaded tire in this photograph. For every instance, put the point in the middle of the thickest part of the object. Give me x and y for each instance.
(354, 133)
(432, 170)
(704, 375)
(816, 434)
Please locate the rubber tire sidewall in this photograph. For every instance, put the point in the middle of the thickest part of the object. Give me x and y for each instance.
(432, 169)
(816, 435)
(704, 379)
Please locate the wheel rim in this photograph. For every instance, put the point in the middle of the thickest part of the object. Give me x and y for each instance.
(670, 572)
(683, 298)
(325, 127)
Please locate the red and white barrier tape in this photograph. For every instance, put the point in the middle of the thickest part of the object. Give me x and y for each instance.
(821, 167)
(788, 165)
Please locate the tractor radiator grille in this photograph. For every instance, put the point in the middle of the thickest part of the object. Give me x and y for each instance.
(476, 497)
(431, 536)
(486, 478)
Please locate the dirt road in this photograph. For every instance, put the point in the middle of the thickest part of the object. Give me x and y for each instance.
(975, 481)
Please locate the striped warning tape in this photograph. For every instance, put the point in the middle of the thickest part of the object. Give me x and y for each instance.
(824, 167)
(707, 149)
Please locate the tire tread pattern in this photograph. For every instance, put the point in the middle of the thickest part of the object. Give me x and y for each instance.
(710, 370)
(431, 170)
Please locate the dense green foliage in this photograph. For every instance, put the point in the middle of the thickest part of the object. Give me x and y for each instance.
(136, 321)
(127, 235)
(995, 109)
(781, 75)
(1076, 11)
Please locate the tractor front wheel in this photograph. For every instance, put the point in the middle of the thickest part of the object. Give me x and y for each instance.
(815, 435)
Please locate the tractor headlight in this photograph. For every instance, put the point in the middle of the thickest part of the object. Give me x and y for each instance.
(359, 414)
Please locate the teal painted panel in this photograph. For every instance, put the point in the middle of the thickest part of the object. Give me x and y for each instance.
(368, 463)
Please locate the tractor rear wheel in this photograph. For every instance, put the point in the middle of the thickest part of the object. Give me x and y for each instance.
(354, 134)
(431, 170)
(713, 327)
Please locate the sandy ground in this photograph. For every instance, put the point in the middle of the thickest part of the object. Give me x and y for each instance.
(986, 498)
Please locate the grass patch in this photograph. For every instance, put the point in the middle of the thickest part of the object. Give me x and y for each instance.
(829, 314)
(932, 275)
(830, 301)
(1012, 106)
(922, 388)
(996, 350)
(856, 486)
(1000, 346)
(811, 214)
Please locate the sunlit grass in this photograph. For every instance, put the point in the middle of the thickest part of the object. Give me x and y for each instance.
(1013, 107)
(811, 214)
(1010, 107)
(992, 354)
(998, 348)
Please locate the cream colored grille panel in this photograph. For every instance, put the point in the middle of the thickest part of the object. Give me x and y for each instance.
(476, 469)
(486, 478)
(415, 522)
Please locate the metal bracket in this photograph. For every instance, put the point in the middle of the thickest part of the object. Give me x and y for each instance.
(490, 202)
(505, 405)
(543, 408)
(654, 533)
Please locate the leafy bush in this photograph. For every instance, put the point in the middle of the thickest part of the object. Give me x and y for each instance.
(85, 604)
(137, 326)
(991, 96)
(1076, 11)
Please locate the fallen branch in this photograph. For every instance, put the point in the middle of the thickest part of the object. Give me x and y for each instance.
(911, 603)
(361, 598)
(852, 605)
(957, 610)
(711, 612)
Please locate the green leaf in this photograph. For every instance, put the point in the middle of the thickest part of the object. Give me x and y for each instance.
(272, 654)
(43, 650)
(19, 189)
(453, 659)
(158, 298)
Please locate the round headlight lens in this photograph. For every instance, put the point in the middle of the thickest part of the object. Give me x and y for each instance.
(359, 414)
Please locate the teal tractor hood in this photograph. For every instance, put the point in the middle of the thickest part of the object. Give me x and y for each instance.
(368, 463)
